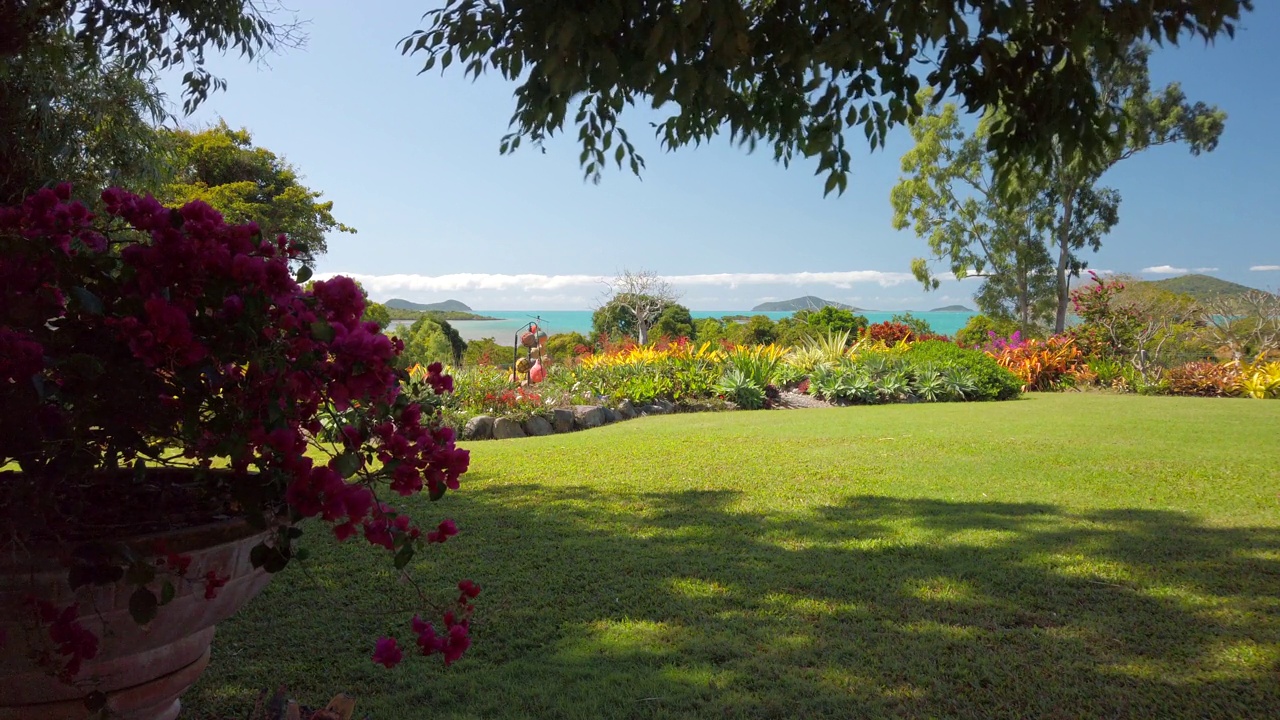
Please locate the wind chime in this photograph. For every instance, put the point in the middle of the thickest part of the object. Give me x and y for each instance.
(529, 370)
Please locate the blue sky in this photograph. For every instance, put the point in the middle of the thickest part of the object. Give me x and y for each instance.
(412, 162)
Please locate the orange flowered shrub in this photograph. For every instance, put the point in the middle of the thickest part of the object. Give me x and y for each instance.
(1042, 364)
(1204, 378)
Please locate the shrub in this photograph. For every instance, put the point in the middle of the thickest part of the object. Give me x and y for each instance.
(1040, 365)
(1202, 378)
(990, 380)
(1259, 380)
(740, 389)
(978, 330)
(888, 332)
(759, 363)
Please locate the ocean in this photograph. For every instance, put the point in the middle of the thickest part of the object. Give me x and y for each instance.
(563, 321)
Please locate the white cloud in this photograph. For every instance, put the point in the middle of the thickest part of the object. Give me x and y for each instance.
(380, 286)
(1205, 270)
(1265, 268)
(1165, 270)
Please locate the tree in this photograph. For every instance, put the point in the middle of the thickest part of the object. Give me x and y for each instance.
(245, 183)
(425, 342)
(799, 74)
(142, 35)
(832, 320)
(675, 322)
(633, 303)
(1245, 325)
(67, 118)
(1139, 119)
(979, 224)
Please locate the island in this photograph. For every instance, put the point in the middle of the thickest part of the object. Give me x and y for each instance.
(953, 308)
(808, 302)
(449, 310)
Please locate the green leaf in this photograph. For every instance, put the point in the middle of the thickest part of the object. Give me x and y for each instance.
(90, 302)
(142, 605)
(404, 556)
(322, 331)
(304, 274)
(140, 573)
(347, 463)
(167, 593)
(302, 554)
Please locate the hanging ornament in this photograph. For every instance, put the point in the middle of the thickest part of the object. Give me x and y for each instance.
(536, 373)
(522, 365)
(529, 339)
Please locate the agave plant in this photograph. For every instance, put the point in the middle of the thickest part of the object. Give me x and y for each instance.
(894, 386)
(740, 389)
(826, 383)
(859, 387)
(757, 362)
(959, 383)
(929, 384)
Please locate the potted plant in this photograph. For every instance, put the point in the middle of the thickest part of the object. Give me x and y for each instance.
(173, 407)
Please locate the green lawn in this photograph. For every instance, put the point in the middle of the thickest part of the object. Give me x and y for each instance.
(1062, 556)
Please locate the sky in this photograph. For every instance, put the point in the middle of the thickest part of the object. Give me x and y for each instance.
(411, 161)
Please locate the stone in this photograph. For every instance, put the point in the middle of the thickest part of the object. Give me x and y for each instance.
(626, 410)
(562, 420)
(649, 410)
(506, 428)
(479, 427)
(611, 415)
(664, 406)
(538, 426)
(588, 416)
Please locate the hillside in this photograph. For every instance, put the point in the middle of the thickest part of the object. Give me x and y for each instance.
(447, 305)
(1200, 287)
(808, 302)
(953, 308)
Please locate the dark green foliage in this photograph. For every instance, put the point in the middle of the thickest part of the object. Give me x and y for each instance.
(805, 75)
(376, 312)
(675, 322)
(758, 330)
(830, 320)
(991, 381)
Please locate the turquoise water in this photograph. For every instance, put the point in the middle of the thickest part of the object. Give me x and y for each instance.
(563, 321)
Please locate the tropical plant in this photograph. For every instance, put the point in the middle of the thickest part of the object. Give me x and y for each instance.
(895, 385)
(990, 380)
(1041, 365)
(1204, 378)
(148, 343)
(1259, 379)
(929, 384)
(757, 362)
(889, 332)
(741, 389)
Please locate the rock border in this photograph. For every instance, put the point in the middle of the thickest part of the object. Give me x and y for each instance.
(561, 420)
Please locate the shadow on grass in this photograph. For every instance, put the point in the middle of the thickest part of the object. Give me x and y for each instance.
(682, 604)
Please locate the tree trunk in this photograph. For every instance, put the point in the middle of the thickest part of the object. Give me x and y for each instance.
(1064, 255)
(643, 331)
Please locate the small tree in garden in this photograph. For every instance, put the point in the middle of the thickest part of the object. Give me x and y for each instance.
(1148, 328)
(633, 303)
(1245, 325)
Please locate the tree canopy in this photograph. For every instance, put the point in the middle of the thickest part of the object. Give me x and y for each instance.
(142, 35)
(798, 74)
(222, 167)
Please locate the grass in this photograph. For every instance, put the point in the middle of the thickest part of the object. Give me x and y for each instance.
(1061, 556)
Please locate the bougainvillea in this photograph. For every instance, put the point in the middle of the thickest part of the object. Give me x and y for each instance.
(146, 337)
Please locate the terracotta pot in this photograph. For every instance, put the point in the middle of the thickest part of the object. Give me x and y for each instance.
(142, 670)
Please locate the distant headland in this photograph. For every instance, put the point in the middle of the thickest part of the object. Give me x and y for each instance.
(952, 308)
(808, 302)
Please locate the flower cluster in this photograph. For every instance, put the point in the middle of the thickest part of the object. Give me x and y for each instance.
(451, 643)
(147, 336)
